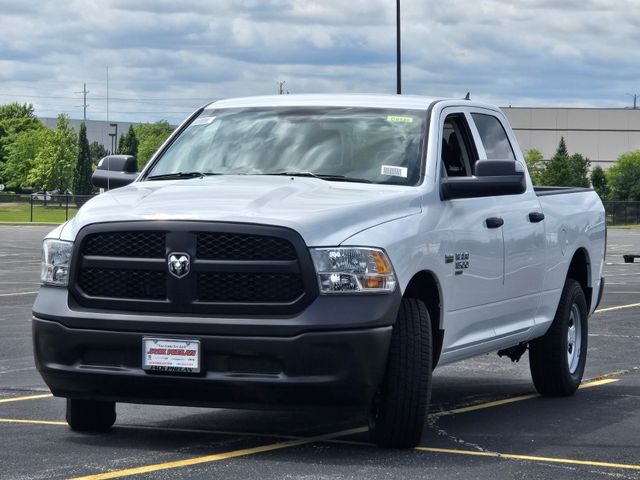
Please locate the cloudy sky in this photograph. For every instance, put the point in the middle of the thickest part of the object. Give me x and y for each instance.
(167, 57)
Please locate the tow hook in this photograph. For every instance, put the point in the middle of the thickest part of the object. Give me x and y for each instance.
(514, 353)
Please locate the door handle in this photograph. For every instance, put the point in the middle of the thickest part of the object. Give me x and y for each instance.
(535, 217)
(494, 222)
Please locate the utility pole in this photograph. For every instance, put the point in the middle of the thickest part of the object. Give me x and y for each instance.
(398, 56)
(84, 106)
(84, 103)
(635, 99)
(281, 90)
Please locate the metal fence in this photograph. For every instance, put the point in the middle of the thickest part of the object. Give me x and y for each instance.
(622, 213)
(40, 207)
(52, 208)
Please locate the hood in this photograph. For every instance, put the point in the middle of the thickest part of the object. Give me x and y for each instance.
(324, 213)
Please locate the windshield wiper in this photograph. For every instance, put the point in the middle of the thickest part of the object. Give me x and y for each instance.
(178, 175)
(330, 178)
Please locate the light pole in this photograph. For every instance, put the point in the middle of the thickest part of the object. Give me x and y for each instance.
(114, 138)
(398, 52)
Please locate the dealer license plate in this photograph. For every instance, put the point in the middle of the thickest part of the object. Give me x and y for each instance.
(171, 355)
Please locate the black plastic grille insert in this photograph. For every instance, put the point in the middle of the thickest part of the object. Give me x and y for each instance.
(233, 246)
(125, 244)
(249, 287)
(114, 283)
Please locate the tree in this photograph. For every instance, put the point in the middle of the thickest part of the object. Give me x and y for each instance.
(97, 151)
(14, 119)
(599, 182)
(82, 175)
(128, 143)
(535, 165)
(566, 171)
(579, 168)
(54, 163)
(562, 149)
(21, 155)
(624, 177)
(120, 145)
(150, 137)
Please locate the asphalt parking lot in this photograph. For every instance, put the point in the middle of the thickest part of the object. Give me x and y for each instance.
(485, 421)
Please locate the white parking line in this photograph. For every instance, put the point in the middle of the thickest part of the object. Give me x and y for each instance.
(15, 294)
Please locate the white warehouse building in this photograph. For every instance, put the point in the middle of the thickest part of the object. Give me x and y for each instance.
(600, 134)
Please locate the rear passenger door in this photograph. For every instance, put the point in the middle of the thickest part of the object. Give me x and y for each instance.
(473, 254)
(523, 230)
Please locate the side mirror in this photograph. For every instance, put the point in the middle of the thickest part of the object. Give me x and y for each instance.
(115, 171)
(492, 178)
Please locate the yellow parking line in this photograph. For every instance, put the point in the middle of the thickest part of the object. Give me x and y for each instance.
(16, 294)
(219, 456)
(531, 458)
(598, 382)
(203, 430)
(30, 397)
(32, 422)
(496, 403)
(619, 307)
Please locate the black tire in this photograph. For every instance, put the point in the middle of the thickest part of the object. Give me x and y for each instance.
(90, 415)
(399, 408)
(556, 367)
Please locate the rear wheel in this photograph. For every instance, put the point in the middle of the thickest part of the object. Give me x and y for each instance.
(399, 408)
(557, 359)
(90, 415)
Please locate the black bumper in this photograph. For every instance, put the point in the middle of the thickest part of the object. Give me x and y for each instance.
(311, 368)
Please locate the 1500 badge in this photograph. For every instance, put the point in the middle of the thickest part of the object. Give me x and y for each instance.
(461, 261)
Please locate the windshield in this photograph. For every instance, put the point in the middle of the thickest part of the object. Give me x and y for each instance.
(348, 144)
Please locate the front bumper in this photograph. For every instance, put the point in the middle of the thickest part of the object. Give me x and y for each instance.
(309, 368)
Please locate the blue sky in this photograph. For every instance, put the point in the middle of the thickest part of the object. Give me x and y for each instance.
(166, 58)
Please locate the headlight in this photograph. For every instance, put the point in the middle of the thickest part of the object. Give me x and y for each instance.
(353, 270)
(56, 256)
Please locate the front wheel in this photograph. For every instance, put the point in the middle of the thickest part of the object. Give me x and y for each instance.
(557, 359)
(400, 406)
(90, 415)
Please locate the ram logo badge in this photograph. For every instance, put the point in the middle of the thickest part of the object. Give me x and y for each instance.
(179, 264)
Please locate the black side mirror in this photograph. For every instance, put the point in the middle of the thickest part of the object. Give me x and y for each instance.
(115, 171)
(492, 178)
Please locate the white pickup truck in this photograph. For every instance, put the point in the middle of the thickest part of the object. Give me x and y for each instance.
(317, 250)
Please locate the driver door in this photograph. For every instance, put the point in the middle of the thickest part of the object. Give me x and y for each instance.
(474, 252)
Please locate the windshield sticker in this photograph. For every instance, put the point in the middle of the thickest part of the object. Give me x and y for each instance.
(399, 119)
(203, 121)
(394, 171)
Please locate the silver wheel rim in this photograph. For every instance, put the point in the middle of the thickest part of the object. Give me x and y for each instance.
(574, 338)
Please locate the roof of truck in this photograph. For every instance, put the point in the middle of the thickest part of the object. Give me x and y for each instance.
(334, 100)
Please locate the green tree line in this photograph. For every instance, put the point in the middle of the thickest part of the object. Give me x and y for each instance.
(34, 157)
(620, 182)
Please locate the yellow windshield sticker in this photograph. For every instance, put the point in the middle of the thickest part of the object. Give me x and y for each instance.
(399, 119)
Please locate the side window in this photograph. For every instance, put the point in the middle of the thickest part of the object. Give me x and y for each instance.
(458, 152)
(494, 138)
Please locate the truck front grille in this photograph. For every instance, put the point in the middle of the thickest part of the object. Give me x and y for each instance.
(234, 268)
